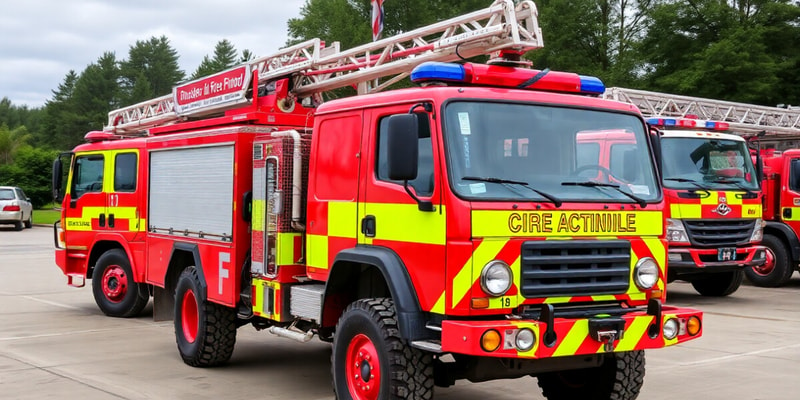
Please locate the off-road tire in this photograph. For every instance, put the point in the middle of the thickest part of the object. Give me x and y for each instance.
(405, 372)
(782, 268)
(133, 296)
(718, 284)
(215, 332)
(619, 378)
(29, 222)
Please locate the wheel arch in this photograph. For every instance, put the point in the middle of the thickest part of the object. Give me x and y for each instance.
(183, 255)
(371, 271)
(102, 245)
(787, 235)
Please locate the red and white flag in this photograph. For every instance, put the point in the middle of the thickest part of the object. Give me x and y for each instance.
(377, 19)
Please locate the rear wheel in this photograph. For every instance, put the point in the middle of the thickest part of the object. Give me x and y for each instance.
(777, 270)
(619, 378)
(205, 332)
(371, 361)
(719, 284)
(18, 225)
(29, 222)
(113, 286)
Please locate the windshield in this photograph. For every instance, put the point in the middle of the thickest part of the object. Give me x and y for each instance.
(709, 163)
(505, 151)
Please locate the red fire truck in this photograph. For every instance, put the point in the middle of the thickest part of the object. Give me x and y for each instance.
(773, 126)
(402, 226)
(714, 223)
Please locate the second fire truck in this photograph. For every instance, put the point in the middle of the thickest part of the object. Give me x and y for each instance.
(402, 226)
(714, 224)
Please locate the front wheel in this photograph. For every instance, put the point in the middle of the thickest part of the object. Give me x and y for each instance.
(719, 284)
(371, 361)
(114, 289)
(205, 331)
(619, 378)
(778, 268)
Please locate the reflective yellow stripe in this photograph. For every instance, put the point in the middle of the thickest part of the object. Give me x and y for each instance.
(751, 211)
(285, 248)
(497, 223)
(317, 251)
(258, 217)
(794, 216)
(464, 279)
(634, 333)
(342, 219)
(692, 211)
(406, 223)
(438, 307)
(573, 340)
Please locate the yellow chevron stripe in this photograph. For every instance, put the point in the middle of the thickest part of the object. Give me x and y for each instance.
(569, 346)
(634, 333)
(463, 281)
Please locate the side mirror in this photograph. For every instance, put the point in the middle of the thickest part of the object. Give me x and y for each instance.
(402, 142)
(655, 141)
(57, 172)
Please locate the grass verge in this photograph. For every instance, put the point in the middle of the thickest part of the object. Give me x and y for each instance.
(46, 216)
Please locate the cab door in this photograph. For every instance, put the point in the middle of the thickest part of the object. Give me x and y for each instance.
(85, 200)
(391, 218)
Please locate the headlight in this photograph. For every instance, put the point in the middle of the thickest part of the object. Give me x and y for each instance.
(645, 274)
(670, 329)
(758, 231)
(676, 232)
(525, 339)
(496, 278)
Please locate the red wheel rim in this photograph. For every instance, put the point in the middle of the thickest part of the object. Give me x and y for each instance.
(768, 266)
(115, 283)
(363, 369)
(189, 316)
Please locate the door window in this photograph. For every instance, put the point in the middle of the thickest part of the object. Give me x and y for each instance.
(87, 176)
(125, 172)
(794, 175)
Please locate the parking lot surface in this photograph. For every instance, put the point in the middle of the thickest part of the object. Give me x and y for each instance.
(55, 343)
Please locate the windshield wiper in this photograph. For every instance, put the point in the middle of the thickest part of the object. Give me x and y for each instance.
(734, 183)
(555, 200)
(641, 201)
(692, 181)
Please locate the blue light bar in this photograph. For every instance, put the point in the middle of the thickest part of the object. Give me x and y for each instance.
(655, 121)
(711, 124)
(438, 71)
(592, 85)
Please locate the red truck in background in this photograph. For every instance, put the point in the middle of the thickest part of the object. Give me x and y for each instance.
(714, 206)
(781, 186)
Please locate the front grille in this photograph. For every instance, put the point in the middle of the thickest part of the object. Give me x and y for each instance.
(719, 232)
(575, 267)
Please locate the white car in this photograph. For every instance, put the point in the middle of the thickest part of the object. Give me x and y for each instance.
(15, 207)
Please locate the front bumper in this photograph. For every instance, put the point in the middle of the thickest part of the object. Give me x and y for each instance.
(568, 336)
(686, 258)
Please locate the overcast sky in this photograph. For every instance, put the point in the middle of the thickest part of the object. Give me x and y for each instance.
(41, 40)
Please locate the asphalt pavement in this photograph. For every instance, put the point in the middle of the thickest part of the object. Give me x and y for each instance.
(56, 344)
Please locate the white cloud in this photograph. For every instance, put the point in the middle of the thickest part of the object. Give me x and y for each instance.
(41, 40)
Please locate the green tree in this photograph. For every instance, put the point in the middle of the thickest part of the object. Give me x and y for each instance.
(225, 56)
(11, 140)
(61, 120)
(738, 50)
(592, 37)
(246, 56)
(157, 61)
(31, 171)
